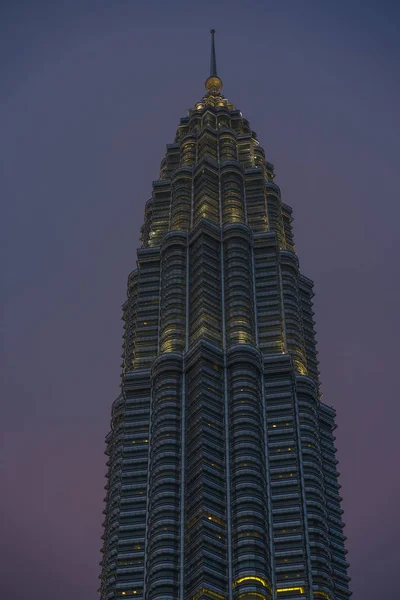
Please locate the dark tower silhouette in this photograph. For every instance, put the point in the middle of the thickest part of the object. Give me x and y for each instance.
(222, 480)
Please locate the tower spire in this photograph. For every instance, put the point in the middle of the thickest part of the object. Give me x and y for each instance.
(213, 83)
(213, 67)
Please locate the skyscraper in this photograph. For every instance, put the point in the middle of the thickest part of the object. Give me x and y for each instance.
(222, 480)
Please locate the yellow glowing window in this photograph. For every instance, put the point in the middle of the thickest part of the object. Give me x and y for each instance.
(252, 578)
(294, 589)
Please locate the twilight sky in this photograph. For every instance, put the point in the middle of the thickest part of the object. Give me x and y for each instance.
(91, 92)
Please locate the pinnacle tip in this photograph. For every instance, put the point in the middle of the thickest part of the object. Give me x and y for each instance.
(212, 30)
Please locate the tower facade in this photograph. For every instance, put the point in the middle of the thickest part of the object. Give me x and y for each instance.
(222, 480)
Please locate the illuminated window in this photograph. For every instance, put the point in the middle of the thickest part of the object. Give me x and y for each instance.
(252, 578)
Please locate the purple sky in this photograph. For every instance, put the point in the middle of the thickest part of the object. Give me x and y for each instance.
(91, 92)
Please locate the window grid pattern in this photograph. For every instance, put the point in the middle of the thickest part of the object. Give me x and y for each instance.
(173, 293)
(307, 317)
(206, 193)
(206, 536)
(125, 514)
(129, 316)
(271, 336)
(239, 309)
(292, 309)
(181, 195)
(274, 208)
(147, 308)
(287, 226)
(164, 473)
(290, 546)
(233, 210)
(338, 562)
(256, 200)
(308, 404)
(205, 287)
(251, 559)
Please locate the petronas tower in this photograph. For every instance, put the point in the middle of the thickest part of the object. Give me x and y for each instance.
(222, 481)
